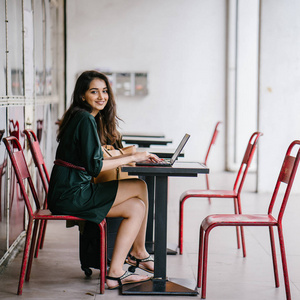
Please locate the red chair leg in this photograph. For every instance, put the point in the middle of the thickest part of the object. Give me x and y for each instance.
(200, 258)
(273, 249)
(106, 267)
(25, 257)
(238, 237)
(32, 247)
(180, 237)
(243, 241)
(103, 261)
(284, 263)
(39, 239)
(207, 186)
(239, 208)
(43, 235)
(236, 211)
(204, 271)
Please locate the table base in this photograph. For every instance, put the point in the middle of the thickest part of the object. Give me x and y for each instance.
(150, 249)
(158, 287)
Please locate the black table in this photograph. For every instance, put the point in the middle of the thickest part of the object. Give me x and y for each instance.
(160, 285)
(150, 180)
(145, 141)
(162, 152)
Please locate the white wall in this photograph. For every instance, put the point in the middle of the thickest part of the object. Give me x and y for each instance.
(180, 43)
(279, 100)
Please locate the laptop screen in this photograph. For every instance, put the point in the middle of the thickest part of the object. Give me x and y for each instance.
(180, 147)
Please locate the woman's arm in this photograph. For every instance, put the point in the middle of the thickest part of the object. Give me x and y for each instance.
(114, 162)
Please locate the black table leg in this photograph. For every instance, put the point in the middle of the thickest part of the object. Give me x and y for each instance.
(150, 180)
(160, 244)
(159, 285)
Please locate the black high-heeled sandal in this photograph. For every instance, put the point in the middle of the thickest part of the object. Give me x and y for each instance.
(137, 261)
(120, 283)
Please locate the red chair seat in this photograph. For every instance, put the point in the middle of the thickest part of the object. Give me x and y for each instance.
(46, 214)
(238, 220)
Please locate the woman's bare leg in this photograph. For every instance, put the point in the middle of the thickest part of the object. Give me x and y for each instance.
(138, 248)
(135, 189)
(131, 203)
(139, 189)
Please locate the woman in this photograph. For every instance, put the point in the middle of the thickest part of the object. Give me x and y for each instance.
(90, 121)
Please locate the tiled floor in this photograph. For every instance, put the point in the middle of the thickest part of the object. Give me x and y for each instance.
(56, 274)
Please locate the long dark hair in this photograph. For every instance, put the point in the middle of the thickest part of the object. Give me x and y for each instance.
(106, 119)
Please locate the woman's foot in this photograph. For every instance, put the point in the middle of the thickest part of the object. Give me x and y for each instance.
(126, 278)
(146, 263)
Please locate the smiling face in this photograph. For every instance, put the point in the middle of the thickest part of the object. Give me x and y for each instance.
(96, 96)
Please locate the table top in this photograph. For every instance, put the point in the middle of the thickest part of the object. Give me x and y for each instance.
(180, 168)
(161, 152)
(143, 134)
(145, 141)
(151, 140)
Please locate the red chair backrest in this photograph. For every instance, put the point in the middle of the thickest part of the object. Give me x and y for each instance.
(21, 170)
(38, 158)
(246, 162)
(286, 176)
(212, 142)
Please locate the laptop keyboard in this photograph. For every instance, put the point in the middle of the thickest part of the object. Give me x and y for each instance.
(159, 163)
(163, 162)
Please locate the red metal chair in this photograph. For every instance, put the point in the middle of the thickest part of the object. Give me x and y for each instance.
(286, 176)
(36, 215)
(40, 164)
(212, 142)
(235, 193)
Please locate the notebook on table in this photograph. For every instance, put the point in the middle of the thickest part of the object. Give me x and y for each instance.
(167, 162)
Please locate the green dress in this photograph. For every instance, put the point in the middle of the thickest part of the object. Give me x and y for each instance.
(71, 191)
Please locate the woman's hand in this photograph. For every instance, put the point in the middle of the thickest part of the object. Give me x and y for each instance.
(116, 161)
(141, 156)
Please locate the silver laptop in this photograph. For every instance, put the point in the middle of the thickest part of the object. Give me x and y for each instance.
(167, 162)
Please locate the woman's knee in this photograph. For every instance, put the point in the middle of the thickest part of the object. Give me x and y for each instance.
(131, 208)
(142, 186)
(129, 189)
(137, 207)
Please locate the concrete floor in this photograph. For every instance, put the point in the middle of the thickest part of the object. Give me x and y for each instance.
(56, 274)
